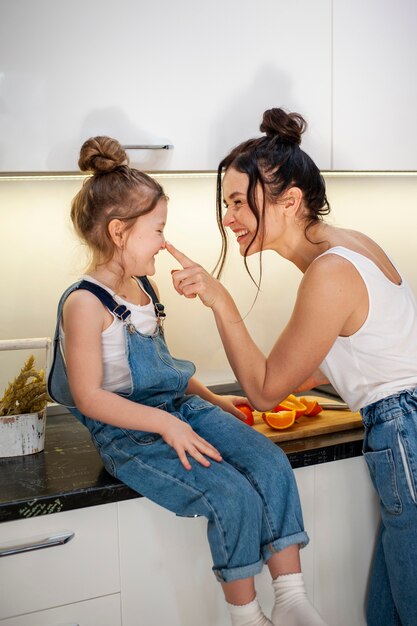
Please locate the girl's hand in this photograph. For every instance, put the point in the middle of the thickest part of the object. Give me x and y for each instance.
(229, 404)
(193, 280)
(184, 440)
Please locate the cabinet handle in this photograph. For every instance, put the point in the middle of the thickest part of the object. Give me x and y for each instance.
(48, 542)
(165, 146)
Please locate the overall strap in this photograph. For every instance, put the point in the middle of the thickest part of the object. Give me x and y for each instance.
(159, 308)
(119, 310)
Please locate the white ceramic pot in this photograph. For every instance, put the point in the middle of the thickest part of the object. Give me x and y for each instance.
(22, 434)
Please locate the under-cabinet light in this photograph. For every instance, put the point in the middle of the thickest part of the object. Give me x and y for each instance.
(9, 176)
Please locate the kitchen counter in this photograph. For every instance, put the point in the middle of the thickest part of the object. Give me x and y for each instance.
(69, 473)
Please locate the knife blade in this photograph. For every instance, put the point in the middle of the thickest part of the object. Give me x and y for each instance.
(334, 406)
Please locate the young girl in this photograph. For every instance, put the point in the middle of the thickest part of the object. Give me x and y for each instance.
(156, 427)
(354, 324)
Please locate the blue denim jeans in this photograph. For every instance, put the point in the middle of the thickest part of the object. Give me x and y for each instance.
(390, 450)
(250, 498)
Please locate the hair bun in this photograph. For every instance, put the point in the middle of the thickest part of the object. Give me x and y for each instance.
(101, 155)
(287, 127)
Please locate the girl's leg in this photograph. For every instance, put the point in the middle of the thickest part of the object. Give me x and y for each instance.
(268, 471)
(144, 462)
(292, 607)
(263, 465)
(243, 605)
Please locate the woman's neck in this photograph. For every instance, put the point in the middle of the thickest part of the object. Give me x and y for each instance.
(301, 251)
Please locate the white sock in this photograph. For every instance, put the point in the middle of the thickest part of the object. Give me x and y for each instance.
(248, 614)
(292, 607)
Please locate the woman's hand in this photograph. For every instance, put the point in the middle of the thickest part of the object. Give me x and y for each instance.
(229, 404)
(184, 440)
(193, 280)
(316, 379)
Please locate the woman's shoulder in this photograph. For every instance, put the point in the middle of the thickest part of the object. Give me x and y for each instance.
(329, 275)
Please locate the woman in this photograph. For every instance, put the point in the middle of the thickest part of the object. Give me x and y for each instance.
(354, 324)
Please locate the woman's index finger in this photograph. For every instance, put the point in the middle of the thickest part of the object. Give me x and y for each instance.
(179, 256)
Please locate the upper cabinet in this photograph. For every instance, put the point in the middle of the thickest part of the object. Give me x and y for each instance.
(193, 75)
(374, 85)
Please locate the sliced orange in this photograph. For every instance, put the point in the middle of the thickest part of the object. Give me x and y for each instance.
(291, 403)
(280, 420)
(312, 407)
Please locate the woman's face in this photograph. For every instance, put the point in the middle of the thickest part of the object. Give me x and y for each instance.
(239, 217)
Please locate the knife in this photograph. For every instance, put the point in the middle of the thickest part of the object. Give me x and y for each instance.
(334, 406)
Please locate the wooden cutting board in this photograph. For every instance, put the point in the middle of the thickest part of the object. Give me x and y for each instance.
(328, 421)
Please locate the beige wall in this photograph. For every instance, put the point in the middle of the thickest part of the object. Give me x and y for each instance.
(40, 256)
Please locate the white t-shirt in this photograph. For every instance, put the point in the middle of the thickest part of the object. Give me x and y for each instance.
(380, 359)
(116, 372)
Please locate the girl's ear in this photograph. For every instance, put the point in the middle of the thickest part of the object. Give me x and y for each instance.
(292, 200)
(116, 230)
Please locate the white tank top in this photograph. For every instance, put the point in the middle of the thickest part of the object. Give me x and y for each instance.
(380, 359)
(116, 372)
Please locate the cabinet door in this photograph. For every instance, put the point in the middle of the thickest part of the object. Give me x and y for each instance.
(345, 529)
(98, 612)
(194, 75)
(165, 556)
(375, 85)
(87, 566)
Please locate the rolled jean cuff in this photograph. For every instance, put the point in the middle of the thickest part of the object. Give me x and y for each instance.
(271, 548)
(227, 575)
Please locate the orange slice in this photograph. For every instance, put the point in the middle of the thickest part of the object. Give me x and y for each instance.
(280, 420)
(312, 407)
(291, 403)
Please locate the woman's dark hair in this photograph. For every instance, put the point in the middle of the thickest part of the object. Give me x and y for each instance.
(114, 191)
(275, 162)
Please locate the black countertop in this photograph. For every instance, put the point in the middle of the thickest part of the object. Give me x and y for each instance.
(69, 473)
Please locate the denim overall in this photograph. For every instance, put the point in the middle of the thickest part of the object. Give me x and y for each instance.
(390, 450)
(250, 498)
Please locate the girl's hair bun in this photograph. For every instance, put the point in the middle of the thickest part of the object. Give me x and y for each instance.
(101, 155)
(287, 127)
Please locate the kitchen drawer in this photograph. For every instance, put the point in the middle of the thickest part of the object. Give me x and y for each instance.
(85, 567)
(98, 612)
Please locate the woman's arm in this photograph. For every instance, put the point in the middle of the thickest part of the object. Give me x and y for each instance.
(84, 319)
(325, 302)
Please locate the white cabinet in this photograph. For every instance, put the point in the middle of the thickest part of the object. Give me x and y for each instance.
(194, 75)
(85, 567)
(374, 85)
(346, 522)
(165, 567)
(98, 612)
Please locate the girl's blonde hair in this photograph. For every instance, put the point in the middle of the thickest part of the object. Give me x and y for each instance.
(114, 191)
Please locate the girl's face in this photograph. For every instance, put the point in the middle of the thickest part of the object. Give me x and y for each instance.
(144, 240)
